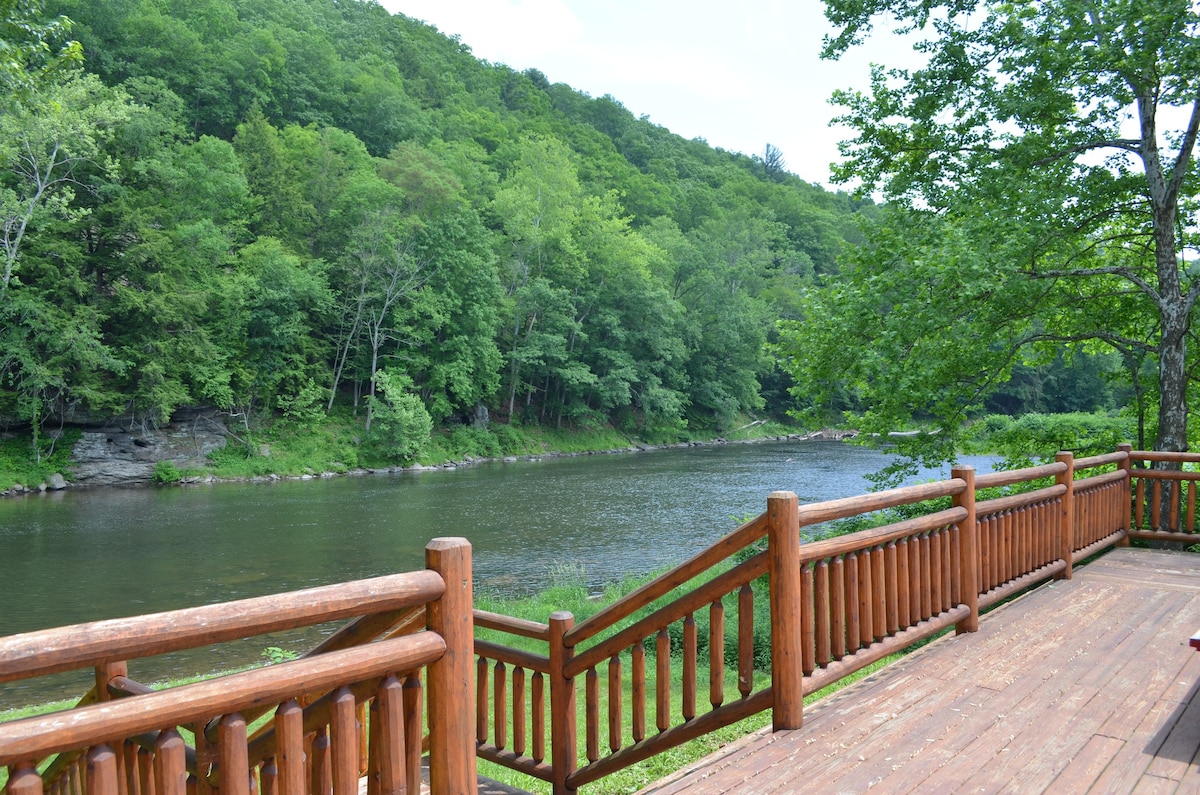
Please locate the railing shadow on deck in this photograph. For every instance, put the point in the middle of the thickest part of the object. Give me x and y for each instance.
(680, 657)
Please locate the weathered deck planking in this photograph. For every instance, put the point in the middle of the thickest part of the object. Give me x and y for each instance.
(1080, 686)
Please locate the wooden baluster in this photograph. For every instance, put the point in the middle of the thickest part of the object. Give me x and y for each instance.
(915, 579)
(745, 640)
(75, 782)
(101, 776)
(537, 711)
(934, 540)
(592, 713)
(948, 567)
(518, 710)
(866, 599)
(953, 557)
(145, 766)
(689, 668)
(1175, 496)
(500, 702)
(837, 608)
(235, 768)
(322, 767)
(1012, 570)
(390, 746)
(1027, 532)
(170, 764)
(360, 722)
(289, 753)
(129, 750)
(822, 609)
(1140, 505)
(414, 708)
(662, 685)
(878, 594)
(808, 622)
(637, 675)
(343, 733)
(927, 577)
(23, 779)
(716, 653)
(851, 603)
(206, 757)
(268, 777)
(375, 746)
(1191, 507)
(891, 575)
(614, 703)
(1155, 504)
(481, 701)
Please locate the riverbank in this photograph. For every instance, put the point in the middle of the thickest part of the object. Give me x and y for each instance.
(198, 449)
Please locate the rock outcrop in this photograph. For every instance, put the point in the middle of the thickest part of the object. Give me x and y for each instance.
(118, 454)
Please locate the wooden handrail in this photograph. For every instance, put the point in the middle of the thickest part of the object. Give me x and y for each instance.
(715, 588)
(739, 539)
(1166, 474)
(494, 651)
(832, 510)
(864, 539)
(1119, 457)
(82, 645)
(1013, 501)
(514, 626)
(992, 480)
(37, 737)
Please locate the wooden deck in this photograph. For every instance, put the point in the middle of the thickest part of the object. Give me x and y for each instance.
(1087, 685)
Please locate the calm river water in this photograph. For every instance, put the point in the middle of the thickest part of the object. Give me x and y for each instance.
(105, 553)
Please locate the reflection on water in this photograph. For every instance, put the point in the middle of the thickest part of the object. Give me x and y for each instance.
(84, 556)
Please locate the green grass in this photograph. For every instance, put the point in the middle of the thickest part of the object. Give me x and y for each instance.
(20, 464)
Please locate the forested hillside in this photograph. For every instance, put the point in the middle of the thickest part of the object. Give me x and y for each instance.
(291, 205)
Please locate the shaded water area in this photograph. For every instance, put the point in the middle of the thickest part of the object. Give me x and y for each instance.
(105, 553)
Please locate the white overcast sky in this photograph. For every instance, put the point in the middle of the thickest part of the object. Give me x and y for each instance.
(739, 75)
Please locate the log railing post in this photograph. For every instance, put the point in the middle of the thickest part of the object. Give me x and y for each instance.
(451, 686)
(563, 753)
(1127, 466)
(1067, 519)
(968, 549)
(787, 668)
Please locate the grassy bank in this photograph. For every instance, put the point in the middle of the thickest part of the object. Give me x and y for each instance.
(295, 447)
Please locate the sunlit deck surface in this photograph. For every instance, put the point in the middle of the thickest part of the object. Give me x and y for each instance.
(1087, 685)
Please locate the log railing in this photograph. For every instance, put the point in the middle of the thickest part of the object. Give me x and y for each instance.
(349, 708)
(750, 624)
(1164, 487)
(677, 658)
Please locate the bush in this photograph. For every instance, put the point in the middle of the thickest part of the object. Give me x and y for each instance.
(400, 425)
(1035, 438)
(165, 472)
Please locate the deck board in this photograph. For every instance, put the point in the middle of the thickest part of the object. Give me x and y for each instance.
(1080, 686)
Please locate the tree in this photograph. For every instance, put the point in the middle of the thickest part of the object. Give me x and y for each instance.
(1055, 139)
(33, 52)
(42, 143)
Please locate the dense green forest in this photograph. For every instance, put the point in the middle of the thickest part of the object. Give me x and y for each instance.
(294, 207)
(270, 205)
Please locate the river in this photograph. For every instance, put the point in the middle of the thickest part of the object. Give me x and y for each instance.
(81, 556)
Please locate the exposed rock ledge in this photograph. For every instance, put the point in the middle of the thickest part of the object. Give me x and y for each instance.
(115, 455)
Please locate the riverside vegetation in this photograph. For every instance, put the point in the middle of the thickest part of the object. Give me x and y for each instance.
(321, 219)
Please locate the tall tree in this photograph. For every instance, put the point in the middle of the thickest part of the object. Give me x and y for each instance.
(1064, 133)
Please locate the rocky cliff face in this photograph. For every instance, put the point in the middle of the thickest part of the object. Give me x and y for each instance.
(120, 454)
